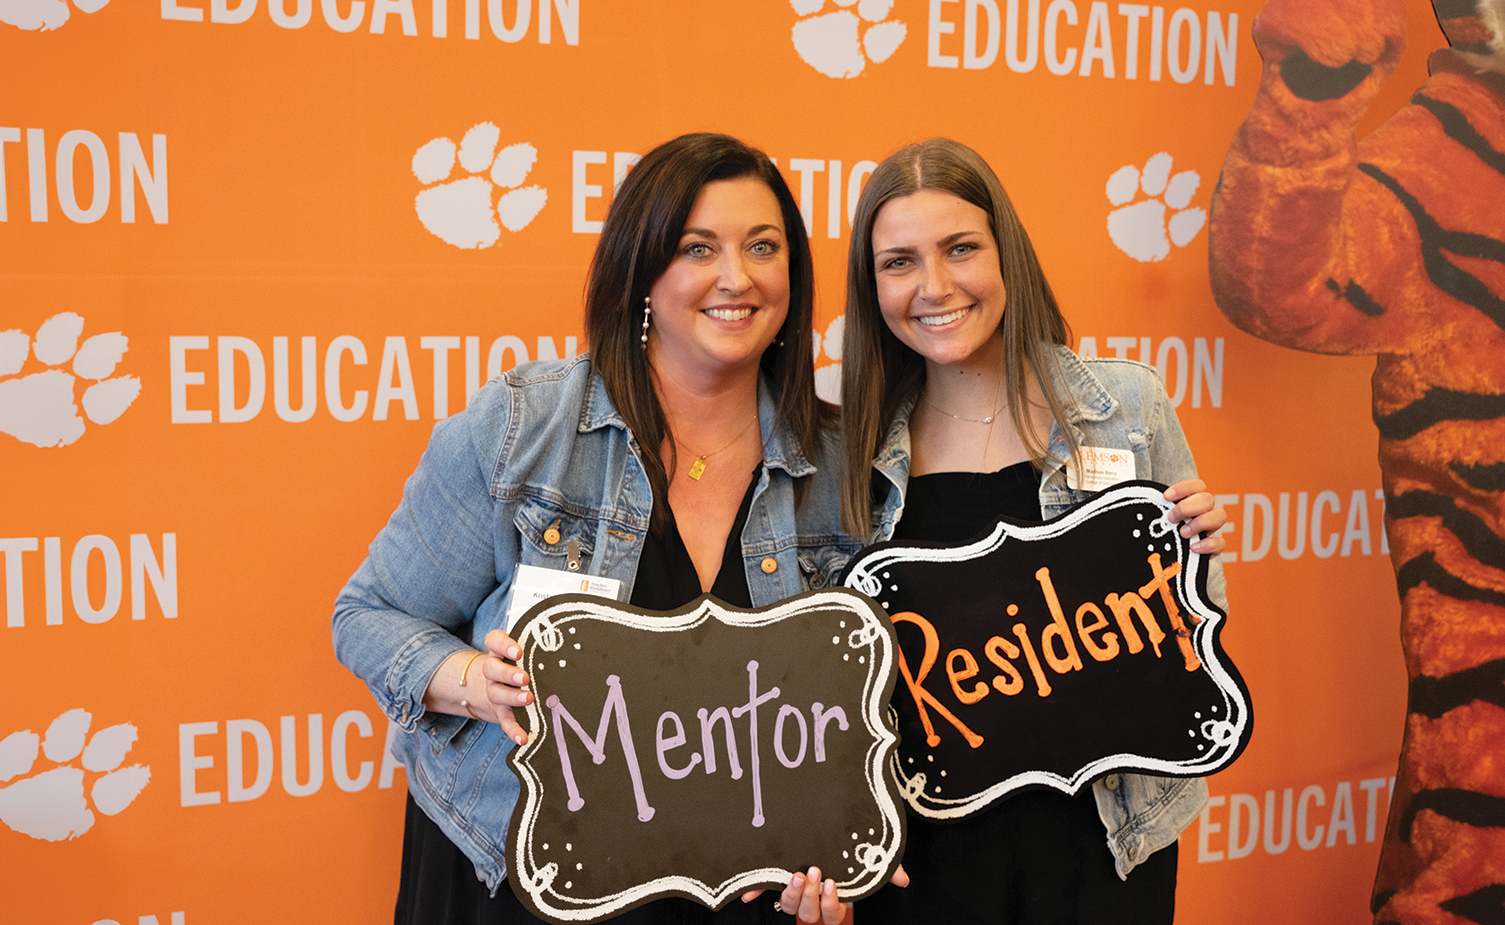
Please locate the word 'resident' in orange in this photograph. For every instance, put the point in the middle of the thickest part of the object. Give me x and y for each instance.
(1057, 648)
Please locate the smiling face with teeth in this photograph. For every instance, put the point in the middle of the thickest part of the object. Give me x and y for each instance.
(725, 295)
(939, 283)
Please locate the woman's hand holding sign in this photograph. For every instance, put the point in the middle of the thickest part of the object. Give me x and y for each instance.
(506, 684)
(1197, 512)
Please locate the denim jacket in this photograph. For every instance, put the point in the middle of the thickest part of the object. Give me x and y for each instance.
(1119, 404)
(540, 454)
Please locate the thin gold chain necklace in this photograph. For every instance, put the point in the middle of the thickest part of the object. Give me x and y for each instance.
(987, 420)
(697, 468)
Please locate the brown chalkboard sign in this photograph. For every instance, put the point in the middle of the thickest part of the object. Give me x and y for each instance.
(1048, 655)
(702, 752)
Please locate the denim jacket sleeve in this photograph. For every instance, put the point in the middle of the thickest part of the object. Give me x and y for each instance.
(427, 572)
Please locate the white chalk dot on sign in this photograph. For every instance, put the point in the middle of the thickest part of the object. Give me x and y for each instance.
(577, 646)
(861, 659)
(846, 854)
(569, 884)
(846, 656)
(1198, 714)
(835, 640)
(579, 866)
(568, 846)
(572, 629)
(1140, 516)
(842, 624)
(1136, 534)
(885, 574)
(561, 663)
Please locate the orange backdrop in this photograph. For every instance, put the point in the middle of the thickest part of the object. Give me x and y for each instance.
(253, 196)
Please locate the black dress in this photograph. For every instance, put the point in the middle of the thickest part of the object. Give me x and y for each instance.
(439, 884)
(1039, 857)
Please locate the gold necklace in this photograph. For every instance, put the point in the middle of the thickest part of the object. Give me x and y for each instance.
(697, 468)
(987, 420)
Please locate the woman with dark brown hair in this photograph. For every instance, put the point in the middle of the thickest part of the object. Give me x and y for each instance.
(962, 402)
(673, 458)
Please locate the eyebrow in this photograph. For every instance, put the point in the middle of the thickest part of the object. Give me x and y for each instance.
(708, 233)
(944, 242)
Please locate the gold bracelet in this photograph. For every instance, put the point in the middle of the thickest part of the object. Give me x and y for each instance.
(466, 670)
(466, 705)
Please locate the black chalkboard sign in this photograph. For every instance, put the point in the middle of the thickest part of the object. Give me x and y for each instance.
(1048, 655)
(702, 752)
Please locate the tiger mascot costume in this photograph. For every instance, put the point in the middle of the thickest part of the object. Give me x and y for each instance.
(1395, 246)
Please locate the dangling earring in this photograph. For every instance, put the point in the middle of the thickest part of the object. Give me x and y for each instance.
(647, 318)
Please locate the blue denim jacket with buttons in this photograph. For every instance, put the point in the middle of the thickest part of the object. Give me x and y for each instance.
(540, 462)
(1119, 404)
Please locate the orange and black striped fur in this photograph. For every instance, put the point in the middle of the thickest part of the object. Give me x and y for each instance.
(1395, 246)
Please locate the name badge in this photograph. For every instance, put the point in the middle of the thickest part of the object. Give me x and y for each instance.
(533, 583)
(1101, 468)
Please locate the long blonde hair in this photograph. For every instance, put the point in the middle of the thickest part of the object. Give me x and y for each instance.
(879, 373)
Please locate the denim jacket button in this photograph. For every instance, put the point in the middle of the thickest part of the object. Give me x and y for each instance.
(551, 536)
(770, 566)
(1111, 782)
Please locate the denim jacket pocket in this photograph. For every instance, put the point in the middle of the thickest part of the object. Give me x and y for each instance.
(550, 530)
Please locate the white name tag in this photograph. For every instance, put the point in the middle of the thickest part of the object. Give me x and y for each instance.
(533, 583)
(1101, 468)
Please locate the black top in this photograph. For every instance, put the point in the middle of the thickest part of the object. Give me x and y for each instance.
(953, 507)
(667, 579)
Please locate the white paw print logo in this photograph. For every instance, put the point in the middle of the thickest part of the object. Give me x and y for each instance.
(828, 377)
(54, 804)
(463, 212)
(841, 43)
(39, 408)
(1140, 230)
(43, 15)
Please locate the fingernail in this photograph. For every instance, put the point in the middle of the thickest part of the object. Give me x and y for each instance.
(830, 887)
(513, 653)
(814, 873)
(518, 740)
(517, 679)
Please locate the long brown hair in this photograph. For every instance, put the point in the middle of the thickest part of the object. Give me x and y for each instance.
(638, 242)
(879, 373)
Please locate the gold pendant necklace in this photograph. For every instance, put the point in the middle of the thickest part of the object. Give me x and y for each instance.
(697, 468)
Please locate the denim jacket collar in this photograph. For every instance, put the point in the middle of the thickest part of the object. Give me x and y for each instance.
(780, 449)
(1089, 400)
